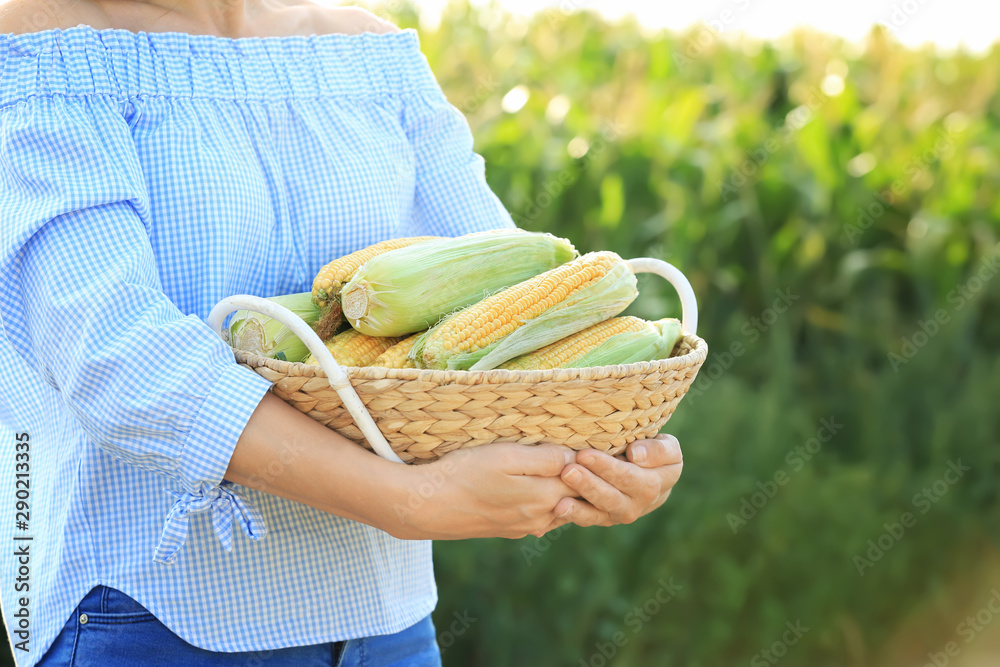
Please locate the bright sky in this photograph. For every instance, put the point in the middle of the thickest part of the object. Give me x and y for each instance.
(947, 23)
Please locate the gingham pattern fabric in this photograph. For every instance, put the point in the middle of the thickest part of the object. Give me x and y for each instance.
(144, 177)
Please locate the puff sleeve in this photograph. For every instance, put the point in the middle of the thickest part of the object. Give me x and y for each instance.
(82, 304)
(451, 195)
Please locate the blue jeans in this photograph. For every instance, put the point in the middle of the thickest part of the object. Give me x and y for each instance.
(110, 629)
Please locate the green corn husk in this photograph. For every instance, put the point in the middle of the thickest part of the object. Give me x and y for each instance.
(605, 298)
(260, 334)
(656, 341)
(410, 289)
(672, 332)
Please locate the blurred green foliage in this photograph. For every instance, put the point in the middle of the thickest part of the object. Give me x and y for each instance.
(859, 182)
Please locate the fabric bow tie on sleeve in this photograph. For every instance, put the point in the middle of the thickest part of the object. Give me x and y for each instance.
(225, 504)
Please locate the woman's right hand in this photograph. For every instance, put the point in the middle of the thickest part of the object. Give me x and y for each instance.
(496, 490)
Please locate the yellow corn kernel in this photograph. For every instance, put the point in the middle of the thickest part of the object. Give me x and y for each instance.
(561, 352)
(531, 314)
(353, 348)
(332, 277)
(503, 312)
(398, 356)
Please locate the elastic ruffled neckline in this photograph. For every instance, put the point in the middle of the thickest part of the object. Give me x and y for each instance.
(182, 41)
(84, 60)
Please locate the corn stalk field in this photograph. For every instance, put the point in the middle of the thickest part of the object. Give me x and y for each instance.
(835, 208)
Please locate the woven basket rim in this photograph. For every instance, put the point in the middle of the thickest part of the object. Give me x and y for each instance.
(695, 357)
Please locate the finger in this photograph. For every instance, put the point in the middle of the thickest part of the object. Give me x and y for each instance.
(557, 518)
(597, 491)
(631, 480)
(624, 476)
(541, 460)
(670, 475)
(555, 524)
(552, 488)
(644, 487)
(662, 450)
(582, 513)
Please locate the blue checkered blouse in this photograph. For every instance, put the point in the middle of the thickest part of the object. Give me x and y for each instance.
(143, 177)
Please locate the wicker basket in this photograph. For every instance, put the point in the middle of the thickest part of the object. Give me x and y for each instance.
(414, 415)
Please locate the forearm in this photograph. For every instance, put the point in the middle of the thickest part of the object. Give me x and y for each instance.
(499, 490)
(285, 453)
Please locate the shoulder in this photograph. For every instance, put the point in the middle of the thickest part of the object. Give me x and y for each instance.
(289, 16)
(16, 16)
(25, 16)
(325, 18)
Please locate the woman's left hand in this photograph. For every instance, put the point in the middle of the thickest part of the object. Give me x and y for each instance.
(614, 491)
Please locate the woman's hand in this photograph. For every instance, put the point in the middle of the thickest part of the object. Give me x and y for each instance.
(495, 490)
(614, 491)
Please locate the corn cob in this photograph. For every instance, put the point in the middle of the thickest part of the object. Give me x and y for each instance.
(397, 356)
(408, 290)
(353, 348)
(620, 340)
(567, 350)
(268, 337)
(331, 278)
(530, 315)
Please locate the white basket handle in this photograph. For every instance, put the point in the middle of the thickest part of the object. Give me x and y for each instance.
(689, 305)
(335, 373)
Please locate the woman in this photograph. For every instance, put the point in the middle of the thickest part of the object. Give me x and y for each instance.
(154, 158)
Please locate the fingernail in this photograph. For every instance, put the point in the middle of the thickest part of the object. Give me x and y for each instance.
(566, 513)
(587, 460)
(573, 475)
(639, 453)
